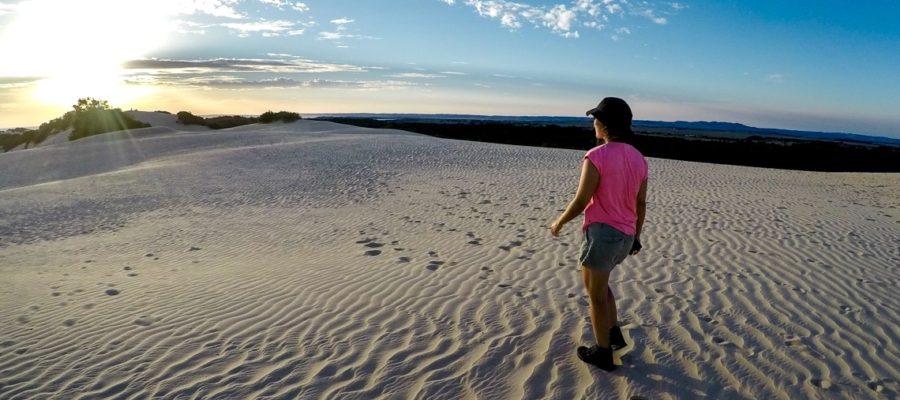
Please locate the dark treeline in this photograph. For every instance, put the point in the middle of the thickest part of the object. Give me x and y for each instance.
(232, 121)
(756, 151)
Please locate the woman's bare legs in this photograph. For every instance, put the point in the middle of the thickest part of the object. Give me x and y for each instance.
(611, 311)
(602, 309)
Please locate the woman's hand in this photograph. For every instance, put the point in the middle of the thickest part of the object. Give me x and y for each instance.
(635, 247)
(555, 227)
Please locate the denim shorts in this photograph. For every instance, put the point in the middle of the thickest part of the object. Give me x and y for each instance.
(604, 247)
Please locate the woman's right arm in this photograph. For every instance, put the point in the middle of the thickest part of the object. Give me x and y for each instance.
(641, 208)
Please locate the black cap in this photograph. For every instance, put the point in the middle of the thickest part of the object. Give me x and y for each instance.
(615, 114)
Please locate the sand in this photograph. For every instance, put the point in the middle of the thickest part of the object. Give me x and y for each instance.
(316, 260)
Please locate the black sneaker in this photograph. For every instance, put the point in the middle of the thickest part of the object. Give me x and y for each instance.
(616, 340)
(597, 356)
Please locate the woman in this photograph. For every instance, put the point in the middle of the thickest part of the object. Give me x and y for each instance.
(612, 193)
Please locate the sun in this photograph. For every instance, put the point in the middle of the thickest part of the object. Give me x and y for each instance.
(76, 48)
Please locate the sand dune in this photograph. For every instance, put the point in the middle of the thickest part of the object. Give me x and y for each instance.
(316, 260)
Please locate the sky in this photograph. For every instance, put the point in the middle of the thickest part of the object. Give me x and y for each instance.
(808, 65)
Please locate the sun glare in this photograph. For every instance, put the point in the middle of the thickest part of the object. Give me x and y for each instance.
(76, 48)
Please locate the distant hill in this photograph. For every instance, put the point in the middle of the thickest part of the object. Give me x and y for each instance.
(712, 126)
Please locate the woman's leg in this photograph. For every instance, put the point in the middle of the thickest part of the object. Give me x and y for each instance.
(611, 311)
(596, 283)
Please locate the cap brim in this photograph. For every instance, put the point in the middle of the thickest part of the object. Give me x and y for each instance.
(592, 111)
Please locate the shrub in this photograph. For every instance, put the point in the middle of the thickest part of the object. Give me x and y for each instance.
(229, 121)
(286, 116)
(95, 121)
(187, 118)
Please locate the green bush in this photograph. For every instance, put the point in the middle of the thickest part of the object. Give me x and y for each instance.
(187, 118)
(286, 116)
(95, 121)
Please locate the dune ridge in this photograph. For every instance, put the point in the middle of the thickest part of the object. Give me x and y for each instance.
(316, 260)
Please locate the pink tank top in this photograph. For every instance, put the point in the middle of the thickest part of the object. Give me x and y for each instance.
(622, 170)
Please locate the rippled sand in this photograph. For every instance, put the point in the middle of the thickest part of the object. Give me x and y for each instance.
(316, 260)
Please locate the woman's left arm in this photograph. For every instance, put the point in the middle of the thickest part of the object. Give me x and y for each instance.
(587, 185)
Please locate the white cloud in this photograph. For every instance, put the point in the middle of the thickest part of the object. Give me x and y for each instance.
(188, 27)
(342, 21)
(238, 83)
(775, 78)
(7, 8)
(415, 75)
(324, 35)
(620, 32)
(216, 8)
(282, 4)
(453, 73)
(341, 35)
(261, 26)
(276, 3)
(292, 64)
(562, 19)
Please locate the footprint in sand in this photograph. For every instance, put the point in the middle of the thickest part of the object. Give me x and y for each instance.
(403, 259)
(372, 252)
(512, 244)
(822, 383)
(112, 292)
(433, 265)
(69, 322)
(876, 386)
(720, 341)
(792, 341)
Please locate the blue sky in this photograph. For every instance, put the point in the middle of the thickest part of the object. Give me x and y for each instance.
(814, 65)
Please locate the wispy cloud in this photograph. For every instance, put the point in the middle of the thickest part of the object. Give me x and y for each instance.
(270, 27)
(233, 82)
(14, 82)
(216, 8)
(774, 78)
(342, 22)
(7, 8)
(340, 32)
(415, 75)
(563, 19)
(285, 4)
(220, 65)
